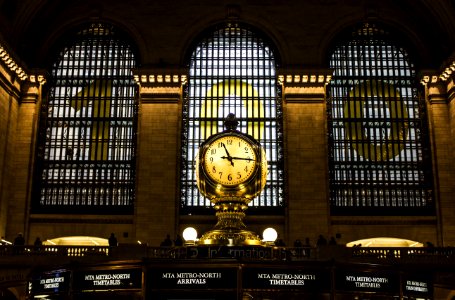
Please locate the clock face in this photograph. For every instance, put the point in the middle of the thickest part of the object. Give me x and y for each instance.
(230, 160)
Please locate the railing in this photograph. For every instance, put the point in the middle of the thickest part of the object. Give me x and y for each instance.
(256, 253)
(72, 251)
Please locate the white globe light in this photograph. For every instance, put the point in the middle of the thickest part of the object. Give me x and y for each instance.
(269, 235)
(189, 234)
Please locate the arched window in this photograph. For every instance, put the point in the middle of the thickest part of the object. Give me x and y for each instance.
(232, 70)
(86, 147)
(379, 150)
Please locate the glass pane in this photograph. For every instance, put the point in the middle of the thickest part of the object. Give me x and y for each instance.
(232, 71)
(87, 146)
(377, 131)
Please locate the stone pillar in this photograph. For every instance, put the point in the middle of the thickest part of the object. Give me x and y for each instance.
(22, 156)
(304, 94)
(9, 98)
(158, 151)
(441, 114)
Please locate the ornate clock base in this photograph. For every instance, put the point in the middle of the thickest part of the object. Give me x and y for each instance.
(234, 237)
(230, 229)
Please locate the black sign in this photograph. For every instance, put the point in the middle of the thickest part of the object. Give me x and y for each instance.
(417, 286)
(373, 281)
(243, 252)
(107, 279)
(193, 278)
(302, 279)
(54, 282)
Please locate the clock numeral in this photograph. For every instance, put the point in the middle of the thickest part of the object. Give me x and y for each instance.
(229, 177)
(229, 142)
(220, 145)
(239, 175)
(246, 169)
(213, 169)
(249, 160)
(221, 174)
(246, 149)
(211, 159)
(213, 151)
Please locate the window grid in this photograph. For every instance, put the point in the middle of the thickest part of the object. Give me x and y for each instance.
(232, 71)
(86, 158)
(379, 160)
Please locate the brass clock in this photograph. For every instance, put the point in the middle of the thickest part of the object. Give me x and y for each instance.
(231, 170)
(230, 160)
(231, 164)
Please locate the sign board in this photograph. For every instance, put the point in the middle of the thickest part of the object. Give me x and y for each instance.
(192, 278)
(110, 279)
(277, 278)
(417, 286)
(53, 282)
(367, 281)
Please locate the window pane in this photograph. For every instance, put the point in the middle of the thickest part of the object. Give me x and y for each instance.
(377, 130)
(232, 71)
(87, 141)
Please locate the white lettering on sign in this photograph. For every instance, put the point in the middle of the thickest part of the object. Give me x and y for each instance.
(286, 279)
(416, 286)
(366, 281)
(107, 279)
(51, 283)
(192, 278)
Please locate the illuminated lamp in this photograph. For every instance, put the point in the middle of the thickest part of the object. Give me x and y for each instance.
(189, 235)
(269, 235)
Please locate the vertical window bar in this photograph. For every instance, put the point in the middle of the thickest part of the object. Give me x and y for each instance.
(373, 116)
(86, 161)
(237, 77)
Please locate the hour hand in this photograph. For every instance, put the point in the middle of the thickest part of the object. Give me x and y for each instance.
(228, 158)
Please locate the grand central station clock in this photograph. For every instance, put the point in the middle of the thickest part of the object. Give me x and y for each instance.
(231, 170)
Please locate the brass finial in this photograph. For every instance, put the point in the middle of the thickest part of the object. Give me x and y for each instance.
(231, 122)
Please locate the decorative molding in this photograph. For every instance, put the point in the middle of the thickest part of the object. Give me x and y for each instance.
(304, 85)
(11, 64)
(31, 89)
(158, 85)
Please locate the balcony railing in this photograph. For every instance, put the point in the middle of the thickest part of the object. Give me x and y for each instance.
(435, 255)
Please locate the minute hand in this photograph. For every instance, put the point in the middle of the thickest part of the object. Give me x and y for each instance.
(242, 158)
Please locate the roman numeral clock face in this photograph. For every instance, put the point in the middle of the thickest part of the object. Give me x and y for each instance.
(230, 160)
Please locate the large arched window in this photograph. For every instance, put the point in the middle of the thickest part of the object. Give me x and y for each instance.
(379, 150)
(86, 146)
(232, 70)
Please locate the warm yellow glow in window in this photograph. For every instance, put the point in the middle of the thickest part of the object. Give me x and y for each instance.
(249, 100)
(77, 241)
(385, 242)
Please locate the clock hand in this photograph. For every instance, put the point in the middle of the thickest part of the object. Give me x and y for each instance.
(229, 157)
(242, 158)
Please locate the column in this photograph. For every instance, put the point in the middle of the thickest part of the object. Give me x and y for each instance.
(304, 93)
(24, 123)
(441, 112)
(157, 203)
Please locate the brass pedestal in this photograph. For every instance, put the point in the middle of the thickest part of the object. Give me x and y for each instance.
(230, 229)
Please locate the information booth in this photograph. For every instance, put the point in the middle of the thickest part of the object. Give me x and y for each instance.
(240, 278)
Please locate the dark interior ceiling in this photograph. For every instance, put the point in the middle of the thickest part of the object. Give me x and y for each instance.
(162, 30)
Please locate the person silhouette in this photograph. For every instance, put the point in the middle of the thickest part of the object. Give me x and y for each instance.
(321, 241)
(178, 241)
(112, 240)
(167, 241)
